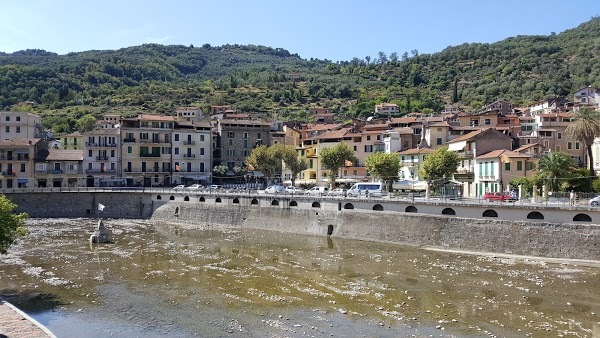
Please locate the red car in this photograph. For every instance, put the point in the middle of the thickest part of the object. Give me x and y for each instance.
(497, 196)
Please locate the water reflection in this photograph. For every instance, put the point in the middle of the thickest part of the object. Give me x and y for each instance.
(165, 279)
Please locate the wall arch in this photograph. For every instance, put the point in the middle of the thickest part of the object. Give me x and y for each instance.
(348, 206)
(378, 207)
(535, 215)
(582, 218)
(316, 204)
(274, 202)
(186, 198)
(293, 204)
(202, 199)
(410, 208)
(490, 213)
(236, 201)
(254, 201)
(448, 211)
(172, 198)
(218, 200)
(158, 197)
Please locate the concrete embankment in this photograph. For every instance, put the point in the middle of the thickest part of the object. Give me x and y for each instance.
(556, 240)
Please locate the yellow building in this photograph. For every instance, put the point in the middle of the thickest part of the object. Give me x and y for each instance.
(73, 141)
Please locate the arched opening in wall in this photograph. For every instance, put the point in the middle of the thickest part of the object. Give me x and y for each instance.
(254, 201)
(316, 205)
(410, 208)
(490, 213)
(274, 202)
(218, 200)
(582, 218)
(535, 215)
(378, 207)
(329, 230)
(186, 198)
(236, 201)
(448, 211)
(172, 198)
(202, 199)
(293, 204)
(348, 206)
(158, 197)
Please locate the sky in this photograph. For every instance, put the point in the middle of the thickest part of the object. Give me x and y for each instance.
(335, 30)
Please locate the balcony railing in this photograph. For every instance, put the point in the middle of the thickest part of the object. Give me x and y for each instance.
(189, 155)
(102, 158)
(129, 140)
(149, 155)
(14, 158)
(106, 145)
(100, 171)
(8, 173)
(189, 142)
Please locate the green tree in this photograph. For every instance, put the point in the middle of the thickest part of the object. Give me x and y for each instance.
(553, 167)
(266, 159)
(292, 161)
(585, 129)
(438, 165)
(334, 158)
(220, 170)
(384, 166)
(11, 224)
(86, 123)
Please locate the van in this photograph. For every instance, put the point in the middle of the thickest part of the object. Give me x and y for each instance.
(375, 189)
(317, 191)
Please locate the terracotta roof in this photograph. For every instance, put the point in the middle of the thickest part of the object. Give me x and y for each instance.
(467, 136)
(323, 126)
(19, 142)
(334, 134)
(502, 152)
(380, 126)
(527, 146)
(439, 124)
(64, 155)
(416, 151)
(403, 130)
(149, 117)
(251, 122)
(403, 119)
(102, 131)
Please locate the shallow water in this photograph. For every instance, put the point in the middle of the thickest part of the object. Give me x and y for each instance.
(164, 280)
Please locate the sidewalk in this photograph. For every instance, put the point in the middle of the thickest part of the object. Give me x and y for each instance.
(14, 323)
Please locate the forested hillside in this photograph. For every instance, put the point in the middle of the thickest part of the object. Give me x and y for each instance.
(157, 78)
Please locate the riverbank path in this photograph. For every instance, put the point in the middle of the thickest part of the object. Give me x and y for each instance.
(14, 323)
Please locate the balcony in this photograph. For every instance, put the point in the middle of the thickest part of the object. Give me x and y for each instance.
(189, 142)
(149, 155)
(129, 140)
(189, 155)
(153, 141)
(100, 171)
(105, 145)
(101, 158)
(487, 178)
(8, 173)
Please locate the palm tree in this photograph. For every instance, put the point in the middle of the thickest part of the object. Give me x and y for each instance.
(585, 129)
(554, 166)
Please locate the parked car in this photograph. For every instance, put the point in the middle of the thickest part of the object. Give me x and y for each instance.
(179, 187)
(274, 189)
(595, 201)
(498, 196)
(338, 192)
(215, 186)
(373, 189)
(317, 191)
(293, 190)
(195, 187)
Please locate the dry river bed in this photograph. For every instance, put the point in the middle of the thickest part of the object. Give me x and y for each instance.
(166, 280)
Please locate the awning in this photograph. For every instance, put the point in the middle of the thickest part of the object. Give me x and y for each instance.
(22, 180)
(195, 177)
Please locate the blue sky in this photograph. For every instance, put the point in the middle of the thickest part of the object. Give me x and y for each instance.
(334, 30)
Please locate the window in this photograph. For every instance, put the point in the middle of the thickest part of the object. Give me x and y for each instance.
(176, 151)
(245, 143)
(7, 129)
(90, 153)
(245, 135)
(487, 122)
(176, 137)
(310, 163)
(519, 165)
(143, 136)
(22, 167)
(507, 166)
(129, 149)
(230, 152)
(18, 118)
(368, 148)
(231, 141)
(89, 166)
(259, 136)
(438, 140)
(18, 129)
(202, 138)
(230, 134)
(201, 151)
(576, 145)
(354, 147)
(559, 136)
(74, 141)
(439, 129)
(7, 118)
(368, 137)
(569, 145)
(112, 153)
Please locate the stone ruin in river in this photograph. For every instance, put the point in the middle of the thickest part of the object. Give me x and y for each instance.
(101, 235)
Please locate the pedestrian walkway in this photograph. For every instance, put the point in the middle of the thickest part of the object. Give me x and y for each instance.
(14, 323)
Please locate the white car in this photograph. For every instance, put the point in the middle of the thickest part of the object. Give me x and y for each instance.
(338, 192)
(194, 187)
(180, 187)
(274, 189)
(317, 191)
(595, 201)
(293, 190)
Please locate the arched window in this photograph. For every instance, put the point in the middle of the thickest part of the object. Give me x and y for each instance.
(535, 215)
(490, 213)
(448, 211)
(410, 208)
